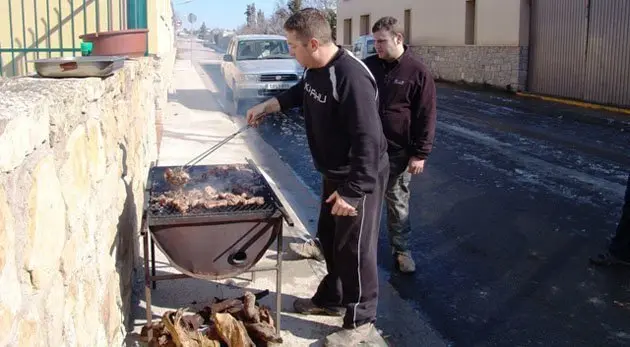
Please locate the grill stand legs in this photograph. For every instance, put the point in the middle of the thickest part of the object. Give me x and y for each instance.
(278, 276)
(150, 277)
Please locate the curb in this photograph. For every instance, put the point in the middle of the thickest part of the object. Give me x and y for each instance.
(621, 119)
(576, 103)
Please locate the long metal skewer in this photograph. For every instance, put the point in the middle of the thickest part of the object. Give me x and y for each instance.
(209, 151)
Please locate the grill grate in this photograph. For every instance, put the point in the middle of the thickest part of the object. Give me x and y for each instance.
(223, 178)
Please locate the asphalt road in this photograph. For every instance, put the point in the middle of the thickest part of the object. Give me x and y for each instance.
(515, 196)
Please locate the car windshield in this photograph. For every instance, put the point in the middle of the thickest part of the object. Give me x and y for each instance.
(370, 47)
(263, 49)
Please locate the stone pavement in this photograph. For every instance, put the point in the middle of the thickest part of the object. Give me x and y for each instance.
(193, 123)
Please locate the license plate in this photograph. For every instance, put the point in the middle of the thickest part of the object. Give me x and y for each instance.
(276, 86)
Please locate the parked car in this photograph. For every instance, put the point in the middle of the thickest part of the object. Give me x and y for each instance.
(257, 67)
(363, 47)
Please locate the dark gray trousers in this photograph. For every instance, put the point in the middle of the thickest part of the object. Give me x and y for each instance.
(397, 196)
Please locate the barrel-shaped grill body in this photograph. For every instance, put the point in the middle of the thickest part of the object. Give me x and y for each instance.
(213, 242)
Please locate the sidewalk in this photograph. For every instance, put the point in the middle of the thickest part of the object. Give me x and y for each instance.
(193, 123)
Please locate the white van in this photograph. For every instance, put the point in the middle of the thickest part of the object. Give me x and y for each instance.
(363, 47)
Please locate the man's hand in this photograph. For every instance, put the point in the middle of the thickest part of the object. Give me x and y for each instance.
(341, 207)
(415, 166)
(255, 114)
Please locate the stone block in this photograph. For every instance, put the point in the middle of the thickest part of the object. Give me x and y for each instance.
(22, 130)
(7, 317)
(72, 255)
(53, 312)
(6, 230)
(46, 227)
(111, 315)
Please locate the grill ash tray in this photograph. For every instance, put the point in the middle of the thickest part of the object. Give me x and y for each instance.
(213, 190)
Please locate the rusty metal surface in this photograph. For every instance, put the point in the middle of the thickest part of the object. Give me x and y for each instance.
(216, 251)
(608, 57)
(579, 49)
(558, 43)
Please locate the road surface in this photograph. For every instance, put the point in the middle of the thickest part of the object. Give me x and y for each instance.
(516, 195)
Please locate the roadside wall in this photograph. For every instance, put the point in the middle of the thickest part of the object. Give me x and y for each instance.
(502, 67)
(74, 156)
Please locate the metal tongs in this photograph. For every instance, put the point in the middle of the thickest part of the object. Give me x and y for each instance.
(209, 151)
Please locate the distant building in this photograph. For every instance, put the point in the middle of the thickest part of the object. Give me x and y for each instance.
(567, 48)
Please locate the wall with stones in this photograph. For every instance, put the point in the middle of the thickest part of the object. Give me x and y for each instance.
(74, 156)
(502, 67)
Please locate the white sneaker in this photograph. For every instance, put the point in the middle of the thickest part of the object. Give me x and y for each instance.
(350, 337)
(309, 249)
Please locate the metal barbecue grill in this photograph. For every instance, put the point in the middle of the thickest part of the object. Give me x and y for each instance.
(212, 243)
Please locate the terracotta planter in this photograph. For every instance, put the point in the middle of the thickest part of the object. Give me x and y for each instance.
(130, 43)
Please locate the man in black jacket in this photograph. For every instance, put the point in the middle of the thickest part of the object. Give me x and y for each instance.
(339, 100)
(408, 114)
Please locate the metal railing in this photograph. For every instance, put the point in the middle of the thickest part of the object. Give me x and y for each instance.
(35, 29)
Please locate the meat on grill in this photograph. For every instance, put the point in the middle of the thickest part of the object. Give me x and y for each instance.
(177, 177)
(209, 198)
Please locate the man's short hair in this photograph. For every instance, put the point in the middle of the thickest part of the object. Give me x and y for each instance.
(389, 24)
(309, 23)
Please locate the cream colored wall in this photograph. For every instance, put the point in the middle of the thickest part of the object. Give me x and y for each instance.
(32, 32)
(433, 21)
(498, 22)
(160, 23)
(442, 22)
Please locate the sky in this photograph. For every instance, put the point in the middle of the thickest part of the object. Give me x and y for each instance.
(227, 14)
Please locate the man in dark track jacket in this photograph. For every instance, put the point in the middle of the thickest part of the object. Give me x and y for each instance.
(339, 100)
(408, 114)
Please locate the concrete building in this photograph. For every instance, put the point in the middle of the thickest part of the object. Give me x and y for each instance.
(568, 48)
(36, 29)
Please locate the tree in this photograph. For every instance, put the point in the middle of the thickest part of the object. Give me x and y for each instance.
(202, 30)
(250, 15)
(294, 5)
(261, 22)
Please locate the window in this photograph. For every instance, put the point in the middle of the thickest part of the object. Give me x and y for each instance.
(347, 31)
(263, 49)
(357, 49)
(365, 25)
(470, 22)
(407, 29)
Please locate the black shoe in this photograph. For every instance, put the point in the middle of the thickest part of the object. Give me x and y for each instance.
(306, 306)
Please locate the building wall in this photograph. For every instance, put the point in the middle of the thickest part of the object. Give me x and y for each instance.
(441, 22)
(54, 24)
(498, 22)
(74, 157)
(161, 28)
(494, 51)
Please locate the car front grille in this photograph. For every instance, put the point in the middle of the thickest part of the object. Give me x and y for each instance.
(278, 78)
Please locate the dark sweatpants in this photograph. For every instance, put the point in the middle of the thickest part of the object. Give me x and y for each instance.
(349, 245)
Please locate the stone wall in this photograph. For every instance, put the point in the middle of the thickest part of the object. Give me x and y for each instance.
(74, 156)
(502, 67)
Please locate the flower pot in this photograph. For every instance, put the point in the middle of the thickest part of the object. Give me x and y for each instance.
(130, 43)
